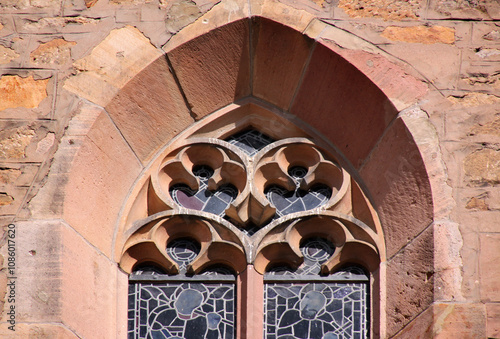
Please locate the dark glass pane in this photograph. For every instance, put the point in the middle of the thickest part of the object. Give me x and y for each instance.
(250, 141)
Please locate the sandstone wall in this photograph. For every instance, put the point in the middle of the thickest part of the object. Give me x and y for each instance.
(63, 65)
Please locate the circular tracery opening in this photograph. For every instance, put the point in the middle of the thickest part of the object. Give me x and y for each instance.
(183, 251)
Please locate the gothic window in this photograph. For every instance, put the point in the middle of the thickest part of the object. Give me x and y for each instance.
(211, 207)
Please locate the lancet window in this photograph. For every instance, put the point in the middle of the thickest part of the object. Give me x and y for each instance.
(213, 206)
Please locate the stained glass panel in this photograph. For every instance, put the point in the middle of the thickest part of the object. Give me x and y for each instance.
(302, 304)
(181, 310)
(315, 310)
(204, 199)
(299, 200)
(250, 141)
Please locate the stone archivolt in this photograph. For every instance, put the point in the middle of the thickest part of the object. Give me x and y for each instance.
(253, 207)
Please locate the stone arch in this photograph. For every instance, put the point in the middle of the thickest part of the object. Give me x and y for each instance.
(329, 87)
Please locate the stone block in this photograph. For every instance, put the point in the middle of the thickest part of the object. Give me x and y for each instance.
(49, 201)
(463, 9)
(397, 180)
(329, 99)
(322, 9)
(493, 320)
(55, 53)
(486, 34)
(214, 69)
(155, 31)
(20, 175)
(22, 92)
(488, 266)
(221, 14)
(151, 12)
(459, 321)
(111, 64)
(11, 199)
(128, 15)
(92, 286)
(278, 11)
(7, 55)
(410, 282)
(483, 167)
(420, 327)
(39, 270)
(421, 34)
(38, 24)
(39, 331)
(480, 76)
(383, 9)
(423, 58)
(150, 110)
(101, 174)
(280, 55)
(403, 86)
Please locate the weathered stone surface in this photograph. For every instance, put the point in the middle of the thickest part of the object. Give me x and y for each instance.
(420, 327)
(492, 35)
(493, 320)
(214, 69)
(111, 64)
(39, 331)
(474, 99)
(13, 142)
(478, 203)
(49, 201)
(9, 175)
(7, 55)
(280, 57)
(385, 9)
(97, 182)
(55, 52)
(421, 34)
(181, 14)
(21, 92)
(483, 166)
(159, 114)
(463, 9)
(399, 84)
(54, 24)
(280, 12)
(98, 300)
(422, 57)
(329, 100)
(397, 179)
(410, 281)
(459, 321)
(77, 281)
(488, 266)
(5, 199)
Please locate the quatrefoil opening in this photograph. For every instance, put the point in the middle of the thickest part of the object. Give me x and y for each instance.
(296, 178)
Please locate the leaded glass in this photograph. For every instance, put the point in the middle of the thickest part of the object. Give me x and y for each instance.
(250, 141)
(299, 200)
(190, 310)
(301, 304)
(204, 199)
(183, 251)
(315, 310)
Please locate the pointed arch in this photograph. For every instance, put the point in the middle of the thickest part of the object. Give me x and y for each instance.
(325, 92)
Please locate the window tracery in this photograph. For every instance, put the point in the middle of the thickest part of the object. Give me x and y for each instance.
(253, 199)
